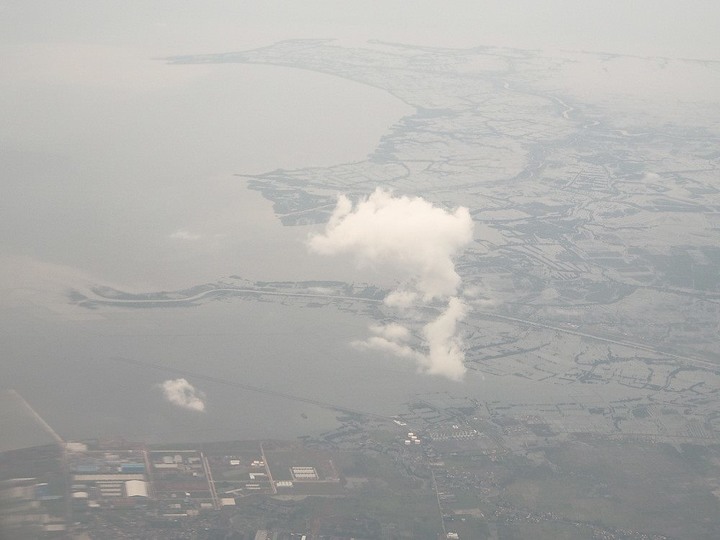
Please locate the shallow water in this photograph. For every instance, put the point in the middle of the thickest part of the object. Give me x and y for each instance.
(133, 185)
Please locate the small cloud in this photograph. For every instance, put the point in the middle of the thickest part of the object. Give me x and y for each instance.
(401, 299)
(380, 343)
(182, 234)
(183, 394)
(393, 331)
(445, 356)
(443, 352)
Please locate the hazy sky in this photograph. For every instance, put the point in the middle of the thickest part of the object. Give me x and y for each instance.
(644, 27)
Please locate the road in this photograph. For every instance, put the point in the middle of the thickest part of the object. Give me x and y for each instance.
(689, 361)
(199, 296)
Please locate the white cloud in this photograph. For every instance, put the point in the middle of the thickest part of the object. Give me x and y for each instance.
(182, 234)
(394, 331)
(381, 343)
(401, 299)
(183, 394)
(407, 234)
(418, 241)
(446, 356)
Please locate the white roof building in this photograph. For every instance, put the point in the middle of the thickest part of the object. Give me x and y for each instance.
(136, 488)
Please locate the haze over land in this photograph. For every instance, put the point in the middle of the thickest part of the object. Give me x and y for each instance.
(495, 224)
(120, 172)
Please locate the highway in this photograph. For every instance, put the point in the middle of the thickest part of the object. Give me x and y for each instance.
(688, 361)
(199, 296)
